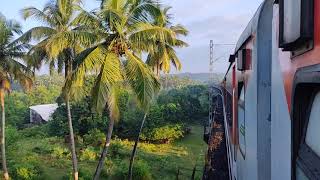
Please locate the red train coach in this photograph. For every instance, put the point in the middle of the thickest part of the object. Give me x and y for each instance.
(274, 126)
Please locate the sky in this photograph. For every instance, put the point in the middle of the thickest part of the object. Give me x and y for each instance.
(219, 20)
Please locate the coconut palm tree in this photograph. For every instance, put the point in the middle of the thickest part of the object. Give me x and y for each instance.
(125, 29)
(160, 59)
(164, 53)
(135, 146)
(59, 39)
(11, 69)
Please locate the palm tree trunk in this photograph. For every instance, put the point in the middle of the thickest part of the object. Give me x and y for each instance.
(135, 148)
(72, 143)
(3, 145)
(104, 151)
(68, 70)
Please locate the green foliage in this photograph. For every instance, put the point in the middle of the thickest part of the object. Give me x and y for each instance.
(12, 56)
(18, 103)
(84, 174)
(43, 95)
(28, 168)
(12, 135)
(175, 82)
(88, 154)
(192, 101)
(60, 152)
(141, 171)
(94, 138)
(165, 134)
(26, 173)
(118, 148)
(84, 119)
(40, 156)
(35, 131)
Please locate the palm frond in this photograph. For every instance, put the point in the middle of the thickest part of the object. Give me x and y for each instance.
(36, 33)
(109, 76)
(69, 39)
(144, 32)
(32, 12)
(141, 79)
(174, 58)
(113, 103)
(180, 30)
(144, 11)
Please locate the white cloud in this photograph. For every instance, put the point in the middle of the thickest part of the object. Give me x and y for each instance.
(220, 20)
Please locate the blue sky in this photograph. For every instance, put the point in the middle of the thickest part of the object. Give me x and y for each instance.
(219, 20)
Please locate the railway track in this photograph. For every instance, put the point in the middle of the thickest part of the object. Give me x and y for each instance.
(216, 167)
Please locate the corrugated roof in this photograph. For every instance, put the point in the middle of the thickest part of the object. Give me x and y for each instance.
(45, 110)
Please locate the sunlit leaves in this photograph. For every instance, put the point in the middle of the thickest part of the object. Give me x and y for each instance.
(141, 79)
(163, 54)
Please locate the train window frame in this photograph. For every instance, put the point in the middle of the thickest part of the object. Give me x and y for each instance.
(307, 79)
(305, 41)
(241, 103)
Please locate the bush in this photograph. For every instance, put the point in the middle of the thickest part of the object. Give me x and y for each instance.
(165, 134)
(109, 167)
(84, 119)
(25, 173)
(12, 135)
(88, 154)
(84, 174)
(140, 171)
(59, 152)
(43, 149)
(36, 131)
(119, 148)
(94, 138)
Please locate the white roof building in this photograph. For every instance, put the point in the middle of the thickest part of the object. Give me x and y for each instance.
(42, 112)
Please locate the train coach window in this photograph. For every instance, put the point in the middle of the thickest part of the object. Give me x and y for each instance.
(313, 133)
(296, 25)
(306, 132)
(244, 59)
(241, 119)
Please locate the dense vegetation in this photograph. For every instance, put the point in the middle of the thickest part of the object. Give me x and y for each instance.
(106, 88)
(175, 117)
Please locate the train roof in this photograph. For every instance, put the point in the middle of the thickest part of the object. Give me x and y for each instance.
(251, 27)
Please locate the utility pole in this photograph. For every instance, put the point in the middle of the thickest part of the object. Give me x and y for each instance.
(211, 78)
(212, 60)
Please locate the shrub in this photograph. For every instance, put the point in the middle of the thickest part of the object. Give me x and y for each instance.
(25, 172)
(109, 167)
(59, 152)
(121, 171)
(36, 131)
(119, 148)
(88, 154)
(94, 138)
(84, 174)
(140, 171)
(165, 134)
(12, 135)
(115, 148)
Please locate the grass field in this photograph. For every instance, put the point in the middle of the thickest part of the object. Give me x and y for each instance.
(163, 160)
